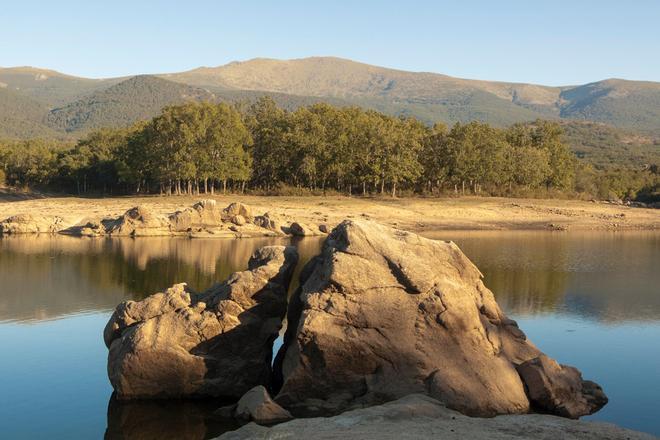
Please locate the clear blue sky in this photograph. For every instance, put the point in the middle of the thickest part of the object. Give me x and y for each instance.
(547, 42)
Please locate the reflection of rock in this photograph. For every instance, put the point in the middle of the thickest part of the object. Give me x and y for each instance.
(383, 313)
(217, 343)
(421, 417)
(256, 406)
(164, 420)
(31, 224)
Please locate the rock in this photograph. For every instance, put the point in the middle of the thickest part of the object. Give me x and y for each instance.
(217, 343)
(421, 417)
(238, 208)
(140, 221)
(238, 220)
(559, 389)
(31, 224)
(268, 221)
(203, 214)
(324, 228)
(303, 230)
(257, 406)
(383, 313)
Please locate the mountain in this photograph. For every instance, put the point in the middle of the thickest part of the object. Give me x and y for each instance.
(39, 102)
(431, 96)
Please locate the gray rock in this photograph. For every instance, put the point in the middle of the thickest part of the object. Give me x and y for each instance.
(383, 313)
(421, 417)
(217, 343)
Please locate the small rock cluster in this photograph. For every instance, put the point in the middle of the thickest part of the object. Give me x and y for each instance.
(203, 219)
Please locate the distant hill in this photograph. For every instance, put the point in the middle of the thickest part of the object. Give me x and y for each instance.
(137, 98)
(45, 103)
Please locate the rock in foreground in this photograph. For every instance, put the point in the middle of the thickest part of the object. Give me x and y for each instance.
(421, 417)
(217, 343)
(383, 313)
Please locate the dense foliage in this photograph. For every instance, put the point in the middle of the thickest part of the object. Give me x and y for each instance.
(198, 147)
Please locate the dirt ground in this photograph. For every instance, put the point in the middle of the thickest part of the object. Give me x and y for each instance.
(414, 214)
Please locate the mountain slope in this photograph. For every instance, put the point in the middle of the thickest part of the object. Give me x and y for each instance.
(48, 86)
(22, 117)
(137, 98)
(630, 104)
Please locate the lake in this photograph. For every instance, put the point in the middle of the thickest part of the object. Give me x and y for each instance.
(591, 300)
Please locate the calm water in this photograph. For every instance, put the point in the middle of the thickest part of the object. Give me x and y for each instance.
(591, 300)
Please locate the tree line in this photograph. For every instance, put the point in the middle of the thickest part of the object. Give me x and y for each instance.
(205, 148)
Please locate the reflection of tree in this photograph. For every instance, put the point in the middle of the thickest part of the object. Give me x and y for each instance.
(527, 292)
(45, 277)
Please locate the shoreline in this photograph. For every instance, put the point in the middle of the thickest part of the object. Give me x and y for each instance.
(421, 215)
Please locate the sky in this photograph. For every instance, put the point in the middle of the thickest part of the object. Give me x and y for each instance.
(546, 42)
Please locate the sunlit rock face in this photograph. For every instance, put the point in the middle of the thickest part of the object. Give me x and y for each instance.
(218, 343)
(383, 313)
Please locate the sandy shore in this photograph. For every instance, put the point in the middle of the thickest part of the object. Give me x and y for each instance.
(415, 214)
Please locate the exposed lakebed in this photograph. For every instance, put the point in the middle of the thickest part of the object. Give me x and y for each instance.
(588, 299)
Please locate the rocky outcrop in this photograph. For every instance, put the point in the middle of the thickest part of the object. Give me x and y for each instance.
(203, 214)
(383, 313)
(31, 224)
(422, 417)
(256, 406)
(303, 230)
(138, 222)
(217, 343)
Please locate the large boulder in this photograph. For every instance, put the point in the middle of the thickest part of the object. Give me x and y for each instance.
(31, 224)
(217, 343)
(421, 417)
(140, 221)
(383, 313)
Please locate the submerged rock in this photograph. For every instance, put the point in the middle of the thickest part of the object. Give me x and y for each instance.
(31, 224)
(217, 343)
(422, 417)
(383, 313)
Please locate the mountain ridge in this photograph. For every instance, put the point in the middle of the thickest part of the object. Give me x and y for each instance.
(429, 96)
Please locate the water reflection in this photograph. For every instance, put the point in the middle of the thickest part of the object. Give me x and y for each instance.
(570, 292)
(606, 276)
(48, 277)
(165, 420)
